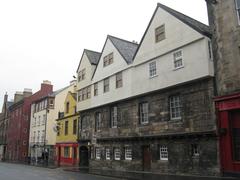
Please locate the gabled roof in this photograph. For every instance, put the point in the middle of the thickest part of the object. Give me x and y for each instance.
(93, 57)
(196, 25)
(127, 49)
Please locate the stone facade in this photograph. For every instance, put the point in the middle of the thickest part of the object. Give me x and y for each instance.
(197, 126)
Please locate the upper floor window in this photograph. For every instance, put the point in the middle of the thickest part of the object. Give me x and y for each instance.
(82, 75)
(95, 89)
(106, 85)
(238, 9)
(119, 82)
(74, 126)
(175, 107)
(43, 136)
(178, 60)
(44, 119)
(67, 107)
(107, 60)
(80, 95)
(88, 92)
(143, 112)
(152, 69)
(66, 128)
(163, 153)
(160, 33)
(114, 117)
(39, 120)
(84, 122)
(98, 118)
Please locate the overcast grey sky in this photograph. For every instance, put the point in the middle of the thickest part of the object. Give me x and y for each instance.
(44, 39)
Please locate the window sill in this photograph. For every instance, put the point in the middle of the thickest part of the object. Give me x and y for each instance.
(175, 69)
(151, 77)
(175, 119)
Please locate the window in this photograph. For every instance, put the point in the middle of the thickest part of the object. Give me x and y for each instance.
(82, 75)
(98, 153)
(238, 9)
(106, 85)
(66, 127)
(143, 113)
(152, 69)
(39, 120)
(34, 136)
(107, 60)
(34, 122)
(66, 152)
(44, 119)
(117, 154)
(175, 107)
(84, 122)
(128, 153)
(43, 136)
(88, 92)
(98, 121)
(108, 154)
(51, 105)
(163, 153)
(114, 117)
(74, 126)
(160, 33)
(95, 89)
(177, 57)
(119, 82)
(79, 95)
(195, 150)
(67, 107)
(38, 136)
(84, 95)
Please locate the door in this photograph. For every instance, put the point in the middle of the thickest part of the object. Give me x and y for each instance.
(146, 158)
(230, 141)
(83, 156)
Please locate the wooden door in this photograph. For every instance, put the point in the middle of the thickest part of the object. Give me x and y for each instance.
(146, 158)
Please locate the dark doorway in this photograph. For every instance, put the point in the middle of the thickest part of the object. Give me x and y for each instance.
(146, 158)
(83, 156)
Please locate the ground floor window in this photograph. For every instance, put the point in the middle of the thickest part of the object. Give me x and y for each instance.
(128, 153)
(195, 150)
(66, 152)
(163, 153)
(117, 154)
(108, 154)
(98, 153)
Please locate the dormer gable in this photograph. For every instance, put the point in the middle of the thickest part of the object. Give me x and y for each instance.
(70, 104)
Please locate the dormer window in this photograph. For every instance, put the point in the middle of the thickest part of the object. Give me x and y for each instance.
(160, 33)
(82, 75)
(107, 60)
(67, 107)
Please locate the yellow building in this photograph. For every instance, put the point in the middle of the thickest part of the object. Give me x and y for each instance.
(67, 128)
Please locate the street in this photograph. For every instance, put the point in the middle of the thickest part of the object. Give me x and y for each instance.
(10, 171)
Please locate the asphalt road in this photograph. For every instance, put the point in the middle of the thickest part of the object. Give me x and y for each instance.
(10, 171)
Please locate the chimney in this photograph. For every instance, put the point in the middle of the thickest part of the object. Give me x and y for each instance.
(47, 86)
(18, 96)
(27, 92)
(5, 97)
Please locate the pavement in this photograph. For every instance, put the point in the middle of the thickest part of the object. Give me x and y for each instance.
(10, 171)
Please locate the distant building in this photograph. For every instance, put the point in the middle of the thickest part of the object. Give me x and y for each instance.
(67, 128)
(4, 117)
(148, 107)
(19, 122)
(224, 19)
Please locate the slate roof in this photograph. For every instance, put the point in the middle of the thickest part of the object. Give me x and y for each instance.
(198, 26)
(126, 48)
(9, 103)
(93, 56)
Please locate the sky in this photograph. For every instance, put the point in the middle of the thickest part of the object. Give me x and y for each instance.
(44, 39)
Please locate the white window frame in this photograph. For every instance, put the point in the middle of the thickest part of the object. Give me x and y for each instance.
(143, 112)
(114, 116)
(117, 154)
(152, 69)
(98, 153)
(175, 107)
(128, 153)
(177, 59)
(107, 153)
(238, 10)
(163, 151)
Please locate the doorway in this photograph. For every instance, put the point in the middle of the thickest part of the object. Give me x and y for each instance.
(83, 156)
(146, 158)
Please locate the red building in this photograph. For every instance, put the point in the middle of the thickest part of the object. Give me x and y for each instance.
(19, 122)
(224, 19)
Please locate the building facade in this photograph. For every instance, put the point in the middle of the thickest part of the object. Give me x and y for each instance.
(66, 143)
(19, 122)
(224, 19)
(150, 106)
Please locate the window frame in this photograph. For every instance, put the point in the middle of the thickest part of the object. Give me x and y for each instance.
(177, 59)
(108, 154)
(160, 31)
(144, 115)
(108, 59)
(98, 119)
(114, 116)
(195, 150)
(119, 80)
(75, 126)
(95, 89)
(66, 151)
(163, 153)
(106, 85)
(152, 69)
(66, 124)
(117, 154)
(128, 153)
(177, 109)
(97, 153)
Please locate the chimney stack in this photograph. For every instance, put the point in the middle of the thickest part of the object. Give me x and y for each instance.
(47, 86)
(18, 96)
(27, 92)
(5, 97)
